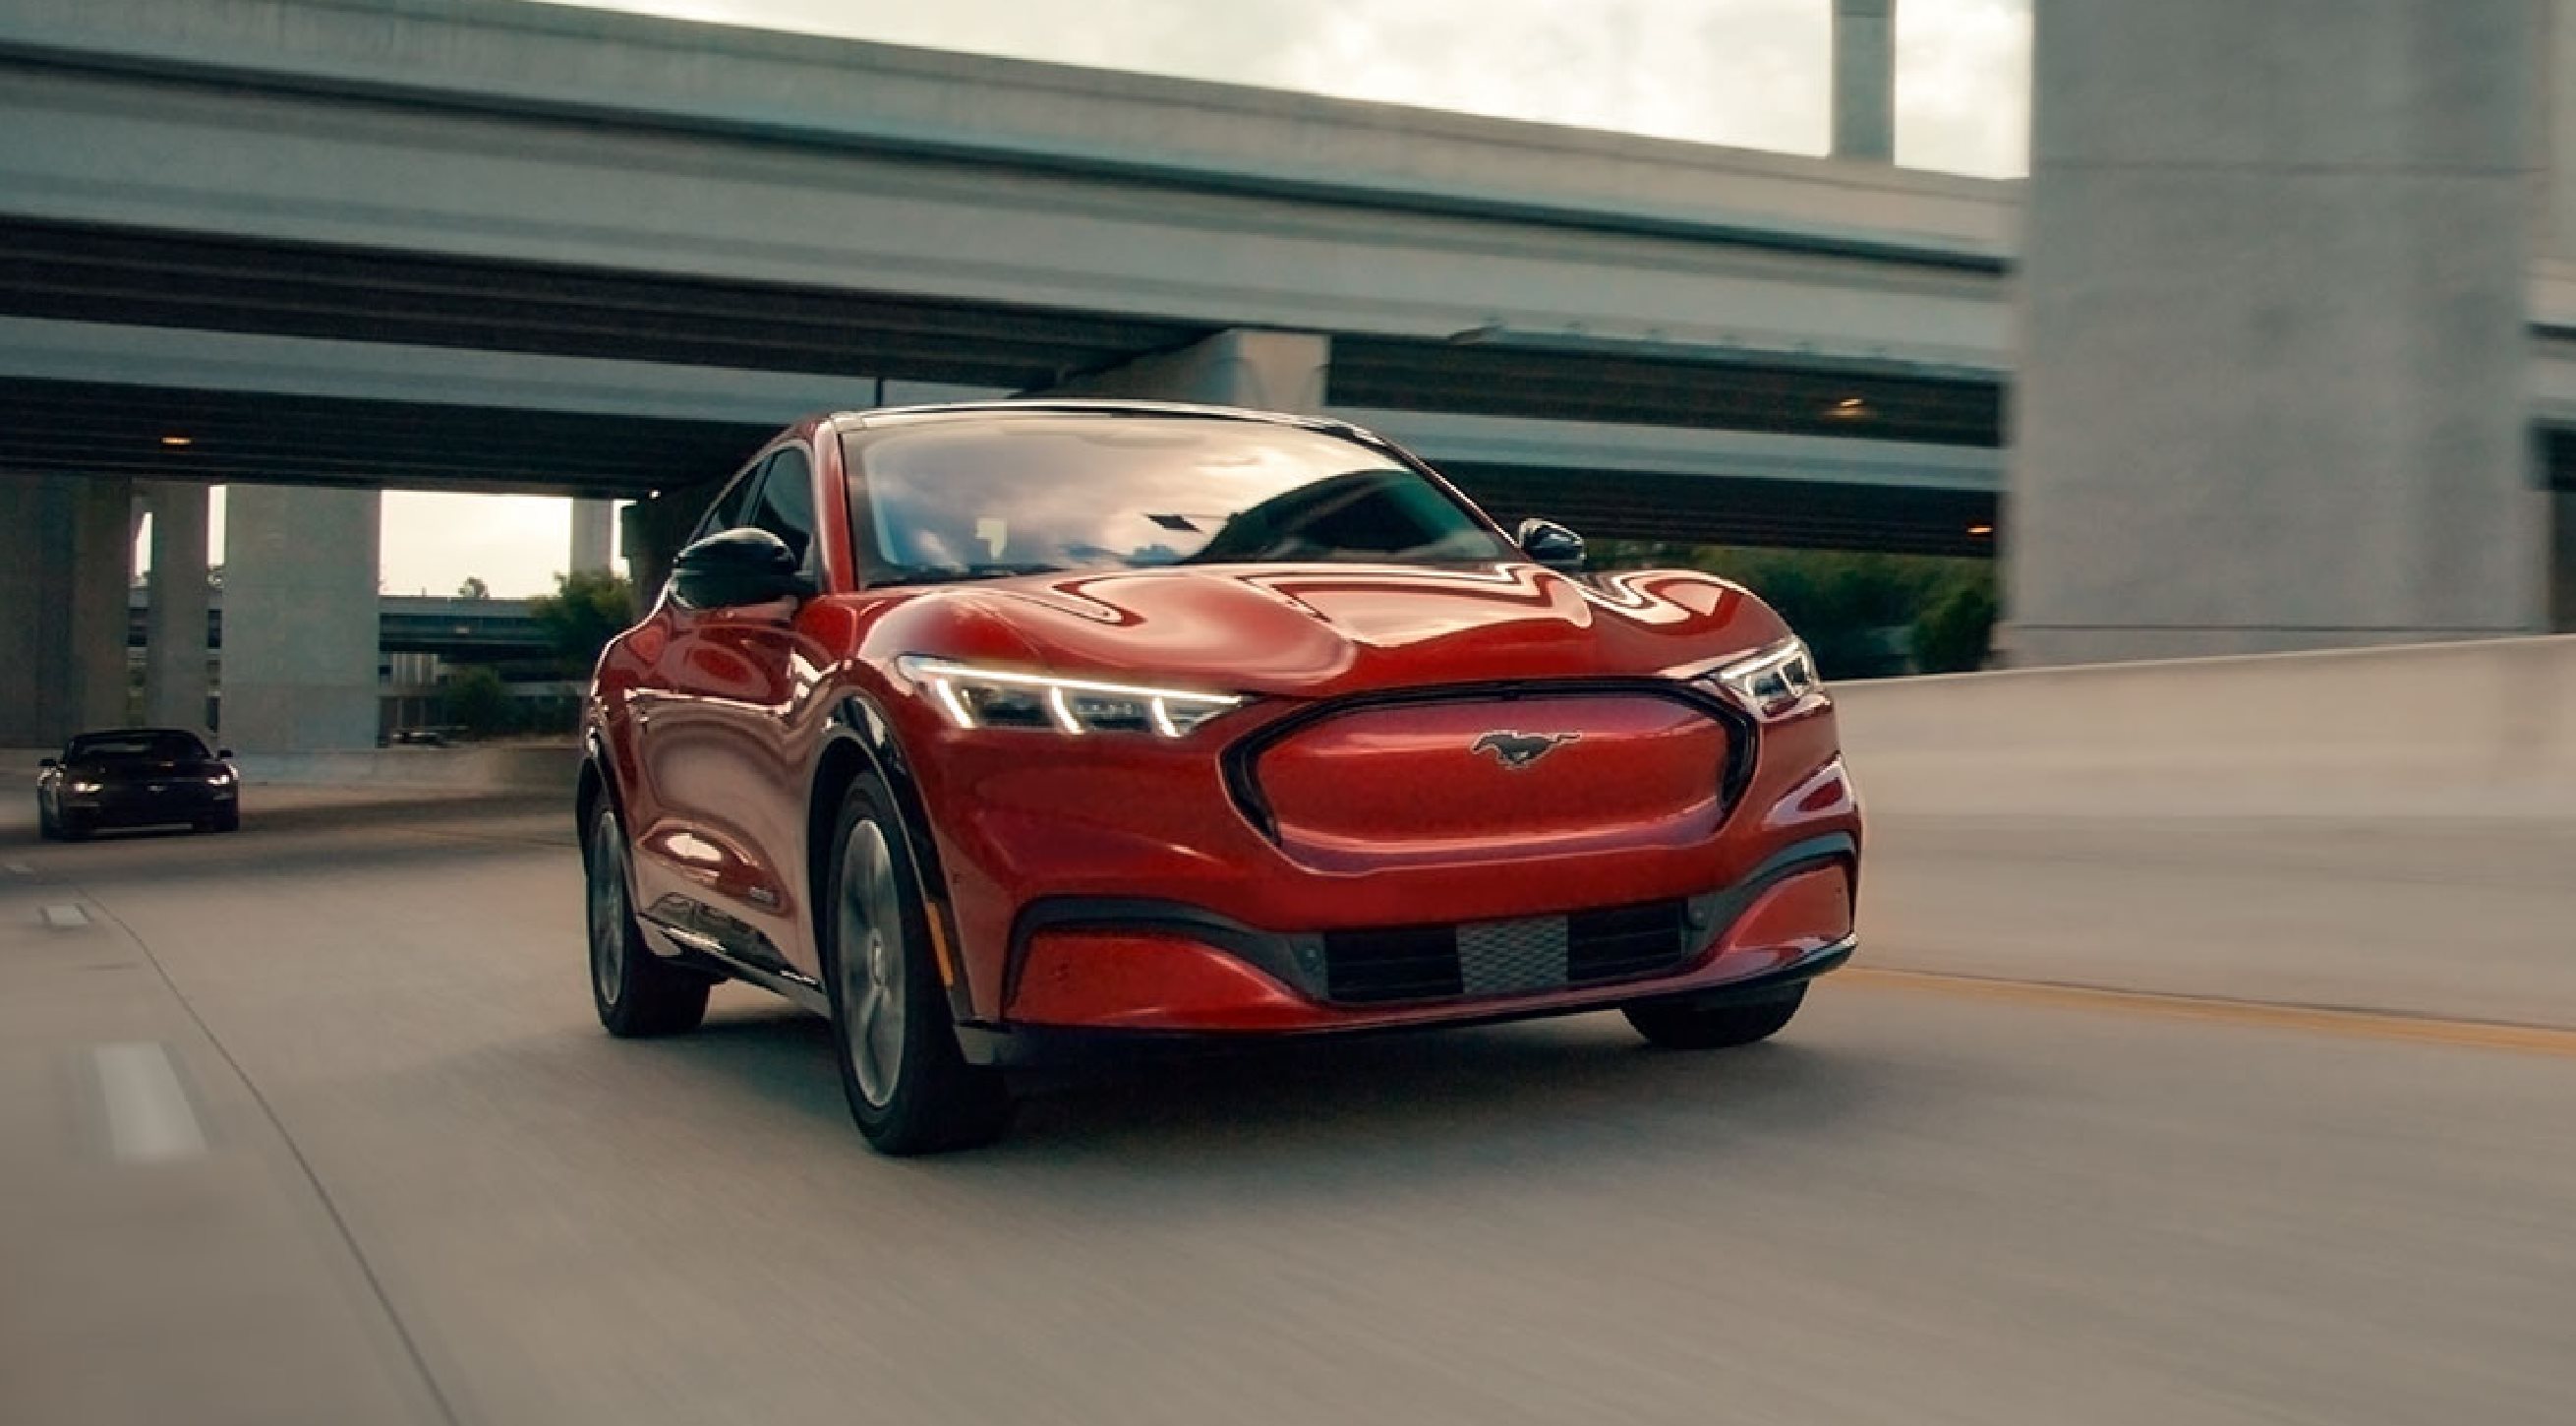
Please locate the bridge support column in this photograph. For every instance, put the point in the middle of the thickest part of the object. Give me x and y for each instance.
(2273, 347)
(300, 617)
(651, 533)
(1263, 371)
(2562, 564)
(1865, 80)
(66, 555)
(594, 536)
(174, 626)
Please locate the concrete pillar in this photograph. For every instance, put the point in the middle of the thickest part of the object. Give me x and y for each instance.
(2554, 237)
(174, 644)
(66, 556)
(300, 611)
(594, 536)
(2269, 389)
(1262, 371)
(2562, 582)
(651, 532)
(1865, 80)
(2555, 152)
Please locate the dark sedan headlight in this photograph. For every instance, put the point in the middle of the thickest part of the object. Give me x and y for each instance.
(1775, 683)
(976, 697)
(83, 787)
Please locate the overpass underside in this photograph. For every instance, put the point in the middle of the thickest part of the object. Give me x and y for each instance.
(346, 245)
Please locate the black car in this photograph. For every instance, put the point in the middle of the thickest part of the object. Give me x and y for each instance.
(137, 777)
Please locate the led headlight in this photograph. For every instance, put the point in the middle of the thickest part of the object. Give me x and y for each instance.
(1001, 698)
(86, 787)
(1775, 682)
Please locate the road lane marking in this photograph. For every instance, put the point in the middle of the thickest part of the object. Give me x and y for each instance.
(17, 868)
(65, 916)
(149, 1120)
(2359, 1024)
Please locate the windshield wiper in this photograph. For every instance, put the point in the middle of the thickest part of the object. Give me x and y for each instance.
(958, 574)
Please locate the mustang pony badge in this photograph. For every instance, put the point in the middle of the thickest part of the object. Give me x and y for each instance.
(1519, 750)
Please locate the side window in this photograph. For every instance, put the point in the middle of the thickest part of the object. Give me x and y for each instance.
(727, 511)
(785, 507)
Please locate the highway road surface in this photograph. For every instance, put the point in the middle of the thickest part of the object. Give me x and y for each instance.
(312, 1124)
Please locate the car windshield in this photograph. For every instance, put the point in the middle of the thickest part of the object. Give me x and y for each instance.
(142, 745)
(967, 499)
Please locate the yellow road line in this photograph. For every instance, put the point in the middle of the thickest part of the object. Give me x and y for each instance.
(2359, 1024)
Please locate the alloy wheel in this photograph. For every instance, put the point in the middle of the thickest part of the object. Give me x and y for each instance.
(870, 963)
(607, 908)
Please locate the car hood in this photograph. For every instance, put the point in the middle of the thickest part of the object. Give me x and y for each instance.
(1324, 630)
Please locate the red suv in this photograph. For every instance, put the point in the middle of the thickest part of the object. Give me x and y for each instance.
(995, 732)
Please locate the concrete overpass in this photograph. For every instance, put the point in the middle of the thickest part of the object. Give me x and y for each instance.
(520, 180)
(358, 243)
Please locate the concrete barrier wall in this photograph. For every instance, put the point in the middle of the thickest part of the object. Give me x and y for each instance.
(2481, 728)
(470, 769)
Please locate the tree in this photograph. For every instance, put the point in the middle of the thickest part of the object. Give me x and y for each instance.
(1844, 604)
(587, 609)
(1953, 635)
(478, 701)
(473, 588)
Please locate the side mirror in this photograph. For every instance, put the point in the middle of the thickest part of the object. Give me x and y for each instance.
(46, 763)
(225, 754)
(732, 568)
(1551, 544)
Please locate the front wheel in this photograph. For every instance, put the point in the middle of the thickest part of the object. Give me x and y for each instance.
(637, 993)
(908, 1086)
(1679, 1025)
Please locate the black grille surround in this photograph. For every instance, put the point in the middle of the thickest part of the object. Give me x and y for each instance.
(1242, 759)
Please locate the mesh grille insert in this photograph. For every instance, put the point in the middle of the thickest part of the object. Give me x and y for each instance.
(1528, 954)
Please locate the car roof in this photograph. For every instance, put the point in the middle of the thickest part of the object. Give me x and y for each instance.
(133, 733)
(1018, 406)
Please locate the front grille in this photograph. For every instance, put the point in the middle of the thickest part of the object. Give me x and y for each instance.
(1532, 953)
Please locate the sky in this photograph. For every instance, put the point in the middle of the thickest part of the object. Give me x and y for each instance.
(1749, 73)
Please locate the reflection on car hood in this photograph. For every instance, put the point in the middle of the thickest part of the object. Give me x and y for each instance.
(1321, 630)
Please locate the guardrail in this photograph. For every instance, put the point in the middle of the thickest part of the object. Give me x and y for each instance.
(518, 768)
(2468, 729)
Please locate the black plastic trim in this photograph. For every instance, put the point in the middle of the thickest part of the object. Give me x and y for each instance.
(860, 721)
(1241, 759)
(1296, 960)
(1030, 1046)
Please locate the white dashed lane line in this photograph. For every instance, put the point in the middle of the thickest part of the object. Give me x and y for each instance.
(149, 1119)
(17, 868)
(65, 916)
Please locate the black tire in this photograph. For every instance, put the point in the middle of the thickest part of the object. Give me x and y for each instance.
(1679, 1025)
(638, 994)
(222, 822)
(908, 1086)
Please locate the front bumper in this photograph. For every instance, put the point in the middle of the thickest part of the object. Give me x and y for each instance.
(1092, 973)
(1041, 1045)
(141, 806)
(1123, 888)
